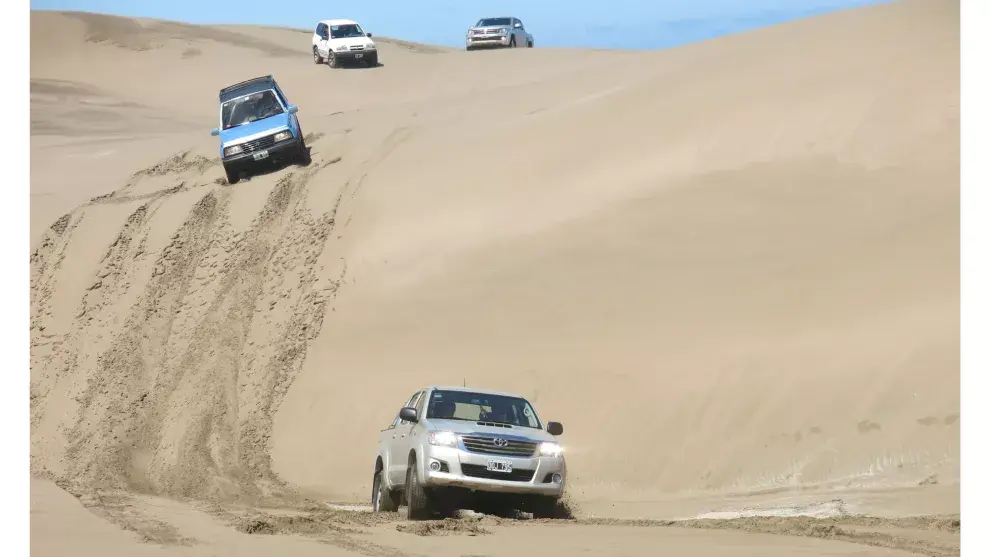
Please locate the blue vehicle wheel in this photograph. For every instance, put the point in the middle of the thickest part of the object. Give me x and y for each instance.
(302, 155)
(232, 174)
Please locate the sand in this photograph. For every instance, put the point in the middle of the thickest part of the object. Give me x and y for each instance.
(730, 269)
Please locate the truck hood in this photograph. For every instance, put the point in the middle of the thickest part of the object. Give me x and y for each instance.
(465, 427)
(240, 134)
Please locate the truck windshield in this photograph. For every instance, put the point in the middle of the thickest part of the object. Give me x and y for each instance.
(480, 407)
(494, 21)
(346, 31)
(249, 108)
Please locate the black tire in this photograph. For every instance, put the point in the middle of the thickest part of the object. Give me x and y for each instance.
(547, 507)
(512, 42)
(332, 59)
(317, 59)
(302, 152)
(419, 504)
(383, 500)
(529, 44)
(232, 174)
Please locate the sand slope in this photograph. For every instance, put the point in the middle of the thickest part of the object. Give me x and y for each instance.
(727, 268)
(739, 267)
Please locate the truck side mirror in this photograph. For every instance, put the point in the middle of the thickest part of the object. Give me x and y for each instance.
(369, 35)
(555, 428)
(408, 414)
(215, 131)
(293, 109)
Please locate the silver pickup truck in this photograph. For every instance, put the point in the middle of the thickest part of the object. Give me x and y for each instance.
(500, 32)
(450, 447)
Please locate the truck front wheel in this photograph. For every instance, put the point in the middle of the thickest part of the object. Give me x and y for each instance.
(418, 500)
(547, 507)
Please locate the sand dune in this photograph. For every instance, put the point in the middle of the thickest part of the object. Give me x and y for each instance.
(731, 269)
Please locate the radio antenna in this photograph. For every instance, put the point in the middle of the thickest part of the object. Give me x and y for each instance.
(464, 381)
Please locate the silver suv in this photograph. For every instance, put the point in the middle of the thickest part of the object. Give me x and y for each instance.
(450, 447)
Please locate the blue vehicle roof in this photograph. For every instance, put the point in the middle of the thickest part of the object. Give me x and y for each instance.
(253, 85)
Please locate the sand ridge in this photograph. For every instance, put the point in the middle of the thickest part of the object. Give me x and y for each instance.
(737, 260)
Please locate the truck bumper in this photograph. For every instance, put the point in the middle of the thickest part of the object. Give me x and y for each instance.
(487, 42)
(358, 56)
(453, 467)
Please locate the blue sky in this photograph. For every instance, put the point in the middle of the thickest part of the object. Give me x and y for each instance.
(584, 23)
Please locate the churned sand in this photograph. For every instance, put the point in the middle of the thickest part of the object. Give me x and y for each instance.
(730, 269)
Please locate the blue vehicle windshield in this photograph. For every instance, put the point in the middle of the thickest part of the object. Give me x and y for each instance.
(249, 108)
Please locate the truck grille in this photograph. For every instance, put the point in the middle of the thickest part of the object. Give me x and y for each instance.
(486, 445)
(260, 143)
(477, 471)
(357, 47)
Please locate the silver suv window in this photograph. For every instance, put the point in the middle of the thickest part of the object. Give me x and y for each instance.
(413, 402)
(468, 406)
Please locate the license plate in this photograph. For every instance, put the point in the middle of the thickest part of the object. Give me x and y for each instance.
(504, 466)
(359, 55)
(261, 155)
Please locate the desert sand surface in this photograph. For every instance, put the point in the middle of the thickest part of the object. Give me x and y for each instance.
(730, 269)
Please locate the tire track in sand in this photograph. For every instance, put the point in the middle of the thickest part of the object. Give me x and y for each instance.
(180, 402)
(46, 261)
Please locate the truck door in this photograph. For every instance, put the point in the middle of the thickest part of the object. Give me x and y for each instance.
(398, 456)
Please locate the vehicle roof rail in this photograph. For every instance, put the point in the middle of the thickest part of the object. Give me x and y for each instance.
(260, 79)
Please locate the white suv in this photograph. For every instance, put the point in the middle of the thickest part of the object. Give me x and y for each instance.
(341, 40)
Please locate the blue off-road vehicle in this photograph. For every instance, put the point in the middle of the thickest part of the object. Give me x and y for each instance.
(257, 126)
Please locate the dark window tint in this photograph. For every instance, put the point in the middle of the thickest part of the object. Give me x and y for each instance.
(467, 406)
(493, 21)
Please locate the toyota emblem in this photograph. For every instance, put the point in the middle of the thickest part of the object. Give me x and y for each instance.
(499, 442)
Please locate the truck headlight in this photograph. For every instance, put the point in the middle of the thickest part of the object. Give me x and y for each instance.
(369, 46)
(443, 438)
(282, 136)
(551, 449)
(232, 150)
